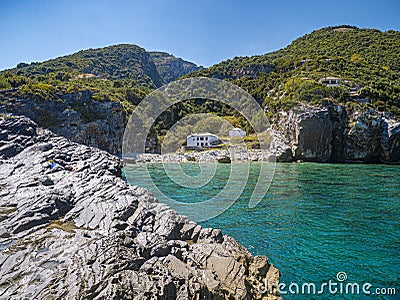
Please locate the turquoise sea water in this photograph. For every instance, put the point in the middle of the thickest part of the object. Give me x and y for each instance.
(316, 220)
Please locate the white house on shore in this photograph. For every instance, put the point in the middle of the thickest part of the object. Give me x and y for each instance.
(237, 132)
(200, 140)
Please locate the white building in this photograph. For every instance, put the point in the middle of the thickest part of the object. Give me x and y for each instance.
(237, 132)
(201, 140)
(331, 81)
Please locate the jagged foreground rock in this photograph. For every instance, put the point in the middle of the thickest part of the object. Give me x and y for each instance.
(78, 231)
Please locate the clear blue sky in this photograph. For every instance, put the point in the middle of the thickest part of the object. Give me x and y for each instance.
(202, 31)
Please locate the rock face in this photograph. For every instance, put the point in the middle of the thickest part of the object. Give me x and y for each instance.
(77, 117)
(170, 67)
(304, 135)
(390, 141)
(312, 135)
(362, 142)
(280, 147)
(72, 228)
(337, 134)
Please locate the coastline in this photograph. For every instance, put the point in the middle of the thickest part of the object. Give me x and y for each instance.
(70, 222)
(216, 155)
(224, 156)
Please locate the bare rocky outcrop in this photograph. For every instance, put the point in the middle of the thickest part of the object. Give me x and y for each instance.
(308, 134)
(72, 228)
(76, 116)
(312, 137)
(362, 142)
(170, 67)
(336, 134)
(279, 147)
(390, 141)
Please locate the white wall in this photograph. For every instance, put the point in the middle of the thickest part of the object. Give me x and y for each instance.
(200, 140)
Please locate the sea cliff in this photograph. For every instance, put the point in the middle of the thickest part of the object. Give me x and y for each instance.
(337, 133)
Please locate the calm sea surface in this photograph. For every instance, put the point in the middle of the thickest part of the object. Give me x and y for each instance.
(315, 220)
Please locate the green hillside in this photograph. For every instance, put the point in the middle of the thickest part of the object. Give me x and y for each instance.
(115, 62)
(366, 60)
(124, 73)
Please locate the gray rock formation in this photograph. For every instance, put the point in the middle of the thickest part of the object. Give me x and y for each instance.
(77, 117)
(72, 228)
(313, 136)
(362, 142)
(339, 121)
(170, 67)
(280, 147)
(390, 141)
(337, 134)
(308, 133)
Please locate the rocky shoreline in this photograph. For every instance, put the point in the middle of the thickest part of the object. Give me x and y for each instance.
(221, 156)
(332, 133)
(72, 228)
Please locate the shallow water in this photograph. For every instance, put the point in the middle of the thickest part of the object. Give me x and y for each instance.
(316, 220)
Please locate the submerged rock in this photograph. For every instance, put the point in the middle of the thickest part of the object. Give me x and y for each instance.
(80, 231)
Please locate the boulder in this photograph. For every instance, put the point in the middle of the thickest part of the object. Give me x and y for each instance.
(224, 159)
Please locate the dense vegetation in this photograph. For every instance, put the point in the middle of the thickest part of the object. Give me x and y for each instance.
(123, 73)
(367, 59)
(128, 62)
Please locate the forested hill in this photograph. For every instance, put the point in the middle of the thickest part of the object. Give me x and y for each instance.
(123, 61)
(114, 62)
(366, 60)
(124, 73)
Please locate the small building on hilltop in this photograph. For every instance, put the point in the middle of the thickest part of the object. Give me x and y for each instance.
(331, 81)
(200, 140)
(237, 132)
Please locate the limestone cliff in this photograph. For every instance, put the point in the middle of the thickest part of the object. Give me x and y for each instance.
(337, 134)
(72, 228)
(76, 116)
(170, 67)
